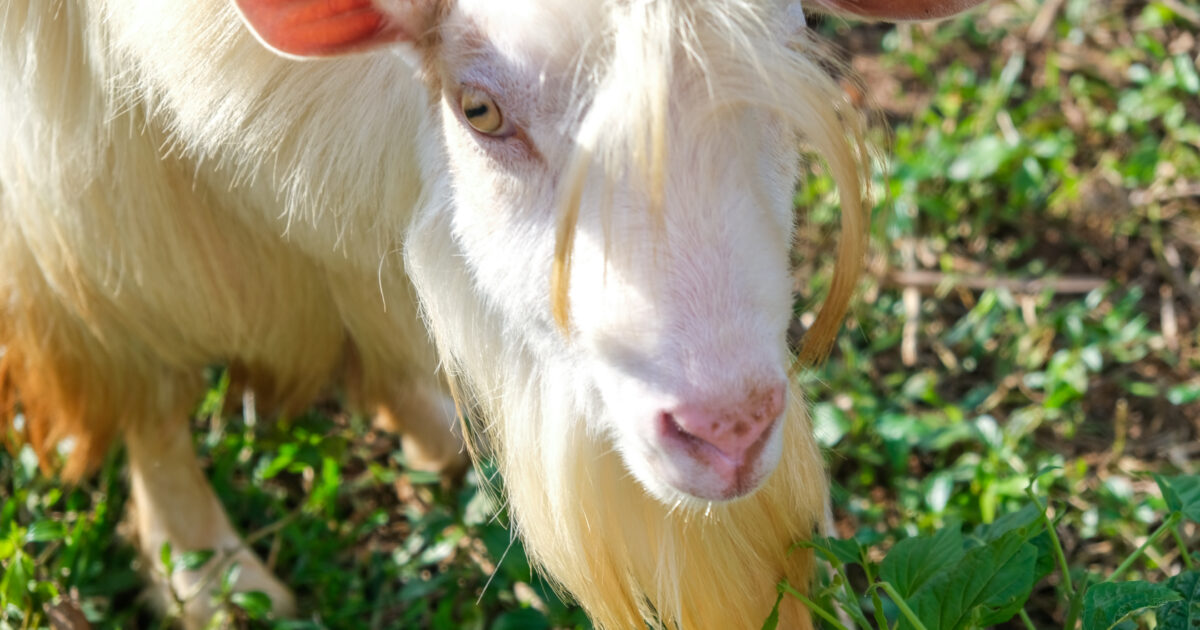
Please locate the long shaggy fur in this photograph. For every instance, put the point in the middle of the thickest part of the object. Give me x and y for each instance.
(618, 551)
(153, 153)
(141, 228)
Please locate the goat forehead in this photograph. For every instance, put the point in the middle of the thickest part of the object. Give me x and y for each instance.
(540, 31)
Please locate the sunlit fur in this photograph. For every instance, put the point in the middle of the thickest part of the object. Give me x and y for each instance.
(154, 156)
(624, 555)
(173, 195)
(625, 125)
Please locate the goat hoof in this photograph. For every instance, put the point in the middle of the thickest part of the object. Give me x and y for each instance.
(198, 591)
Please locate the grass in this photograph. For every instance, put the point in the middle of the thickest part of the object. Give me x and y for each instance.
(1032, 313)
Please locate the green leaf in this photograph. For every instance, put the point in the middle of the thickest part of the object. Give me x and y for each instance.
(523, 619)
(45, 531)
(980, 159)
(1046, 562)
(1041, 472)
(772, 620)
(1028, 524)
(1185, 71)
(167, 559)
(287, 455)
(45, 591)
(830, 424)
(1183, 394)
(939, 487)
(423, 477)
(986, 587)
(1026, 520)
(913, 561)
(8, 548)
(230, 577)
(1182, 494)
(295, 624)
(417, 589)
(193, 560)
(14, 584)
(1109, 603)
(843, 550)
(480, 508)
(1183, 614)
(256, 603)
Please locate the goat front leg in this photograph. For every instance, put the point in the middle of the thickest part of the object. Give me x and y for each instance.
(427, 420)
(174, 504)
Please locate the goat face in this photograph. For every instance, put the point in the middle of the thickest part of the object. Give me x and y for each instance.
(678, 287)
(636, 135)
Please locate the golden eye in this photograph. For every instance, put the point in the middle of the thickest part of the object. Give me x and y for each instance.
(481, 112)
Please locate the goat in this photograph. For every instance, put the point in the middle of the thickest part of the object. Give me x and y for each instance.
(580, 211)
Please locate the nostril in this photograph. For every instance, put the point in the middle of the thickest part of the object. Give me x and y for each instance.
(671, 427)
(698, 447)
(773, 400)
(733, 429)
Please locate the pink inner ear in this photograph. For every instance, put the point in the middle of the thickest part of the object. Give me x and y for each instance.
(318, 28)
(897, 10)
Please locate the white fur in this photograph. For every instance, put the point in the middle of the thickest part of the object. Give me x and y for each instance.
(176, 195)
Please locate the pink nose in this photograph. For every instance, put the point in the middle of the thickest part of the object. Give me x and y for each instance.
(733, 428)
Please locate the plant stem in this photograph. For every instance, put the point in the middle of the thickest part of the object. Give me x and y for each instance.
(880, 618)
(1167, 526)
(902, 605)
(851, 598)
(1056, 544)
(1183, 550)
(1076, 604)
(812, 606)
(1027, 620)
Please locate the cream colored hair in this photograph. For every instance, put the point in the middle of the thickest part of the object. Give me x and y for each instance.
(625, 127)
(143, 188)
(622, 554)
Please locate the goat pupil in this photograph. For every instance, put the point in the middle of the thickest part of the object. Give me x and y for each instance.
(477, 111)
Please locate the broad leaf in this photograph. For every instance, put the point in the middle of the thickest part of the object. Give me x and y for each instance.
(986, 587)
(1183, 614)
(1027, 520)
(1046, 562)
(1182, 494)
(913, 561)
(843, 550)
(1109, 603)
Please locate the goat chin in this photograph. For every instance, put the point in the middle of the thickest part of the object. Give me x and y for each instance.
(174, 195)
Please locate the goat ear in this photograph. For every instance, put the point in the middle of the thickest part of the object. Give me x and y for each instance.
(328, 28)
(895, 10)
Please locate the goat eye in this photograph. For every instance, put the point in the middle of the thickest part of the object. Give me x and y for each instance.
(482, 113)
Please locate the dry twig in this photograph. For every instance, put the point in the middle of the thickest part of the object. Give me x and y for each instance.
(931, 280)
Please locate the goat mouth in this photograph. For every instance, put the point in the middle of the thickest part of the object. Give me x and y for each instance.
(702, 471)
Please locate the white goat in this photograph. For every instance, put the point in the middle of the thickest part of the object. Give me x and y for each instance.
(586, 204)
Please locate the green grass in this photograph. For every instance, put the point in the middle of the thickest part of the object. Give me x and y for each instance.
(1072, 158)
(1067, 151)
(364, 542)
